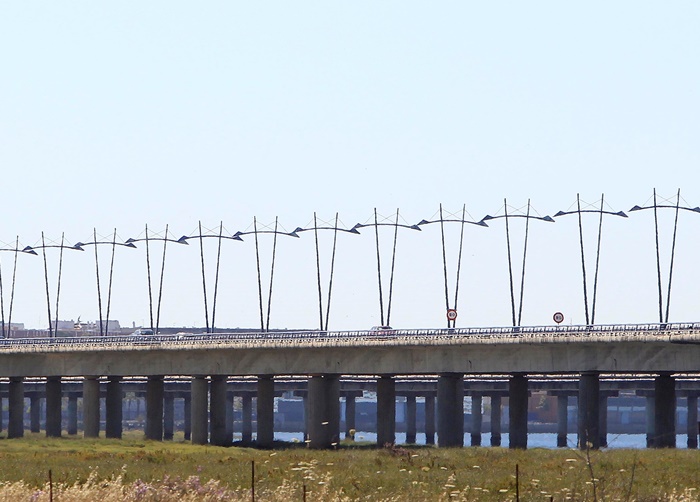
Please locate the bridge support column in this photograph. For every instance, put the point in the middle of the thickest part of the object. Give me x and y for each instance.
(15, 425)
(266, 411)
(168, 416)
(154, 408)
(495, 420)
(114, 408)
(200, 411)
(603, 423)
(72, 425)
(305, 405)
(476, 420)
(692, 427)
(229, 416)
(589, 411)
(450, 400)
(517, 411)
(217, 411)
(53, 407)
(386, 410)
(350, 417)
(247, 417)
(430, 419)
(650, 425)
(187, 411)
(665, 411)
(562, 420)
(34, 414)
(91, 407)
(411, 419)
(333, 389)
(324, 411)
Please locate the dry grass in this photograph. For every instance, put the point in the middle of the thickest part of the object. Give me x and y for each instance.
(138, 470)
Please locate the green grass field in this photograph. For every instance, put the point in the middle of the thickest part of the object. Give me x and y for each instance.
(146, 470)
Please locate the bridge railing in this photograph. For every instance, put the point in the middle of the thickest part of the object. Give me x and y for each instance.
(358, 336)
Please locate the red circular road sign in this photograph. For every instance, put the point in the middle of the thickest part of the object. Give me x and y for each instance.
(558, 317)
(451, 314)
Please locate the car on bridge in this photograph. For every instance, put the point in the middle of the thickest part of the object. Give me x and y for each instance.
(381, 331)
(143, 332)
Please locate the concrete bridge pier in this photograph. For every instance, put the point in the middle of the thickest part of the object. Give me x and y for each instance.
(53, 407)
(589, 411)
(72, 425)
(517, 411)
(247, 417)
(603, 419)
(305, 405)
(664, 411)
(562, 420)
(91, 407)
(154, 408)
(495, 420)
(430, 419)
(450, 400)
(476, 420)
(323, 419)
(386, 410)
(266, 411)
(15, 425)
(187, 411)
(114, 409)
(34, 413)
(693, 426)
(217, 412)
(650, 425)
(411, 419)
(200, 410)
(229, 416)
(168, 416)
(350, 415)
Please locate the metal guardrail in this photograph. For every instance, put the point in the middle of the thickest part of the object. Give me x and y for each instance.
(446, 336)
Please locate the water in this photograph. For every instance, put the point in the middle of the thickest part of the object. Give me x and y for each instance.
(535, 440)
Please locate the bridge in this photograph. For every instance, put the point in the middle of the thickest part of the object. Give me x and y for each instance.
(665, 352)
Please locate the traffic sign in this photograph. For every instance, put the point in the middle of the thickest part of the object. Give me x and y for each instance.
(451, 314)
(558, 317)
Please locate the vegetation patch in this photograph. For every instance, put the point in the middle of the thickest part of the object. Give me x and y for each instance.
(133, 469)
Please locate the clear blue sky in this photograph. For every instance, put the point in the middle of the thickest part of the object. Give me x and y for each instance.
(127, 113)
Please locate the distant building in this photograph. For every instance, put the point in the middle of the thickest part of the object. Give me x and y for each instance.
(78, 328)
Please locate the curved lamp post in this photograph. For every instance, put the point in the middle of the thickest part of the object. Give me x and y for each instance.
(16, 250)
(452, 310)
(265, 322)
(220, 237)
(376, 224)
(527, 216)
(104, 328)
(43, 248)
(323, 326)
(600, 212)
(677, 207)
(165, 241)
